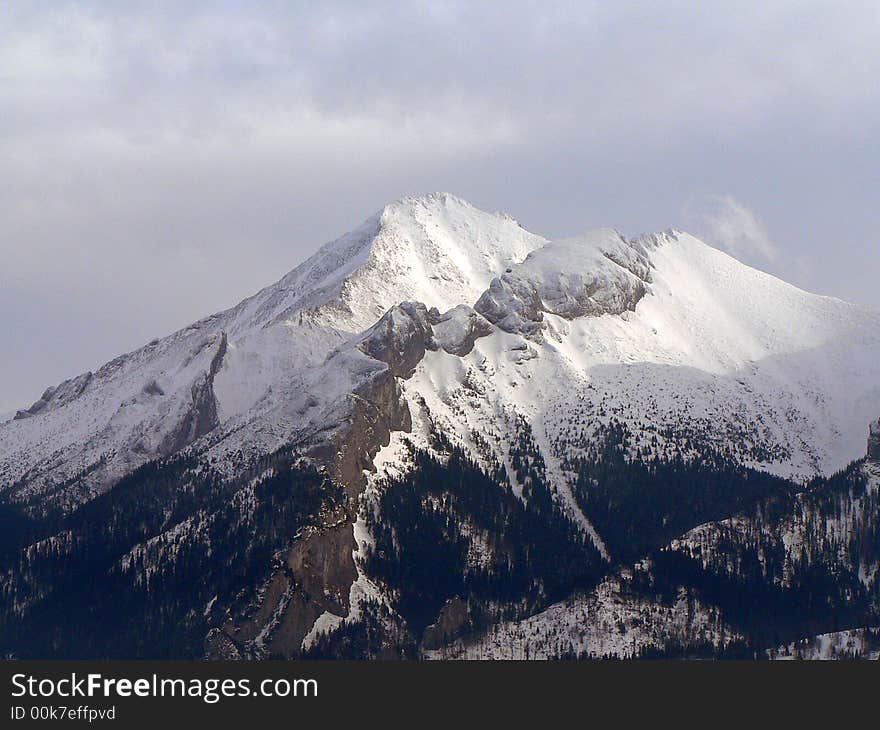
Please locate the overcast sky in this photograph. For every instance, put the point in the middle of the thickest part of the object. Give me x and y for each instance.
(161, 161)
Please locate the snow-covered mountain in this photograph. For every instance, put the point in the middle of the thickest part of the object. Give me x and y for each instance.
(435, 320)
(273, 369)
(658, 329)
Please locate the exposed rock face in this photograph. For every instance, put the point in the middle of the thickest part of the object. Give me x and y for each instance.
(874, 441)
(379, 409)
(202, 416)
(315, 577)
(453, 618)
(319, 569)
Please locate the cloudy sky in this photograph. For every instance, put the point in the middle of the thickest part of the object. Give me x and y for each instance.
(160, 161)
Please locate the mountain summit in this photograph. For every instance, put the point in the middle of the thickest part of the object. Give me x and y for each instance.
(434, 328)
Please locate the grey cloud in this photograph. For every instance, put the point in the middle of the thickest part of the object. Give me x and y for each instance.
(162, 160)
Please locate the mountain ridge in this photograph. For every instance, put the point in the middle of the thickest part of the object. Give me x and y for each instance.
(442, 392)
(438, 250)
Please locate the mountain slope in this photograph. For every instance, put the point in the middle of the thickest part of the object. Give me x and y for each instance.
(588, 390)
(731, 355)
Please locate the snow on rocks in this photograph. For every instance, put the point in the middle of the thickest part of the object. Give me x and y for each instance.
(598, 273)
(609, 621)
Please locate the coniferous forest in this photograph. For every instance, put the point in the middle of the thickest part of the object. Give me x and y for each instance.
(150, 567)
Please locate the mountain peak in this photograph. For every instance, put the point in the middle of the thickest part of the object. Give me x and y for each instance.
(437, 249)
(437, 198)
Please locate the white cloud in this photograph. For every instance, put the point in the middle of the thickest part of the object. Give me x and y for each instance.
(724, 221)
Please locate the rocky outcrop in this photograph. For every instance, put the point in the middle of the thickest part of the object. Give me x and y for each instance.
(408, 330)
(57, 396)
(315, 577)
(400, 338)
(453, 619)
(601, 273)
(457, 330)
(379, 409)
(319, 569)
(201, 417)
(874, 441)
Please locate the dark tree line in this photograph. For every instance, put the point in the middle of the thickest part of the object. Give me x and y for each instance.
(144, 569)
(640, 502)
(449, 529)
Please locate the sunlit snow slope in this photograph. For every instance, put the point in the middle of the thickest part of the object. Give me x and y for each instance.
(714, 351)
